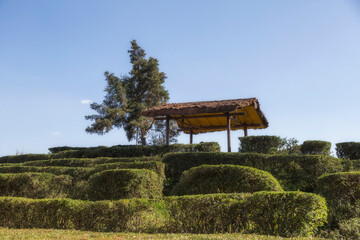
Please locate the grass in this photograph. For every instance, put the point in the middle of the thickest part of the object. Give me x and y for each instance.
(6, 233)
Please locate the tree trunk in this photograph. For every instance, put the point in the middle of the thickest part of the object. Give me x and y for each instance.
(143, 137)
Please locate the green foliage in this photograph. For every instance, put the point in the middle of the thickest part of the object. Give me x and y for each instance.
(294, 172)
(349, 229)
(316, 147)
(124, 183)
(24, 158)
(128, 96)
(259, 144)
(342, 194)
(88, 162)
(34, 185)
(269, 213)
(64, 148)
(137, 151)
(348, 150)
(225, 179)
(137, 215)
(289, 146)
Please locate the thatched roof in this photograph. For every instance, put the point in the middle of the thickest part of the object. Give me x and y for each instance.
(209, 116)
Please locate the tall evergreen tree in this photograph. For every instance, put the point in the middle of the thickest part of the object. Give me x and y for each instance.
(128, 96)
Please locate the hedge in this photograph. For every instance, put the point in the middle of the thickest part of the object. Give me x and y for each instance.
(225, 179)
(137, 151)
(294, 172)
(24, 158)
(348, 150)
(342, 194)
(35, 185)
(270, 213)
(87, 162)
(136, 215)
(124, 183)
(315, 147)
(260, 144)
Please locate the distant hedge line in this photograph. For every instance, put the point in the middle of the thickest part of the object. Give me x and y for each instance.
(294, 172)
(207, 179)
(271, 213)
(124, 151)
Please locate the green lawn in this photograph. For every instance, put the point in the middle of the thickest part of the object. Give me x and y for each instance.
(18, 234)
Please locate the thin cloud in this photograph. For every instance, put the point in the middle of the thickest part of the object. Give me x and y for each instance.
(55, 133)
(86, 101)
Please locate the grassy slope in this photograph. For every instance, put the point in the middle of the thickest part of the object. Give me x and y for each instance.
(38, 234)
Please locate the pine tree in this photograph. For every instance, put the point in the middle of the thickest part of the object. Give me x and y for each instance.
(128, 96)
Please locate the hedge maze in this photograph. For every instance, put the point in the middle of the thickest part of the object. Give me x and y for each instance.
(186, 188)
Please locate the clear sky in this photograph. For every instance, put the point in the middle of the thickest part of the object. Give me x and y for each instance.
(300, 58)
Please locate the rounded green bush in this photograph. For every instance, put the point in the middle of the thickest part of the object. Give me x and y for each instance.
(260, 144)
(342, 193)
(35, 185)
(348, 150)
(225, 179)
(316, 147)
(124, 183)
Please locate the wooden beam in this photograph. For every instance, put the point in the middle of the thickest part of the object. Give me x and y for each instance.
(216, 127)
(191, 136)
(228, 132)
(167, 130)
(200, 116)
(245, 131)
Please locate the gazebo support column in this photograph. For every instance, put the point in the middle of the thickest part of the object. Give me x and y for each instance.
(245, 132)
(228, 132)
(191, 137)
(167, 130)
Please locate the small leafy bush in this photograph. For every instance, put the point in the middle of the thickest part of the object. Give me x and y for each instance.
(269, 213)
(225, 179)
(294, 172)
(124, 183)
(348, 150)
(342, 193)
(259, 144)
(34, 185)
(316, 147)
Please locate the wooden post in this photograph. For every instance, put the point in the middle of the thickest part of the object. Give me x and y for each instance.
(167, 130)
(228, 132)
(191, 136)
(245, 131)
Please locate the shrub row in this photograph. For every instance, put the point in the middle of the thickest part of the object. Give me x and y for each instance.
(105, 185)
(294, 172)
(315, 147)
(87, 162)
(84, 173)
(24, 158)
(342, 194)
(348, 150)
(35, 185)
(137, 151)
(271, 213)
(225, 179)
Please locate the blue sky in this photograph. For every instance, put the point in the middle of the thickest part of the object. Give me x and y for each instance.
(300, 58)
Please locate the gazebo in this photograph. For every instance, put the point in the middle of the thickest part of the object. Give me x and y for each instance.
(210, 116)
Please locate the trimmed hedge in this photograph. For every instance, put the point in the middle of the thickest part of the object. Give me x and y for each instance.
(294, 172)
(315, 147)
(225, 179)
(269, 213)
(136, 215)
(24, 158)
(137, 151)
(34, 185)
(125, 183)
(342, 194)
(87, 162)
(260, 144)
(348, 150)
